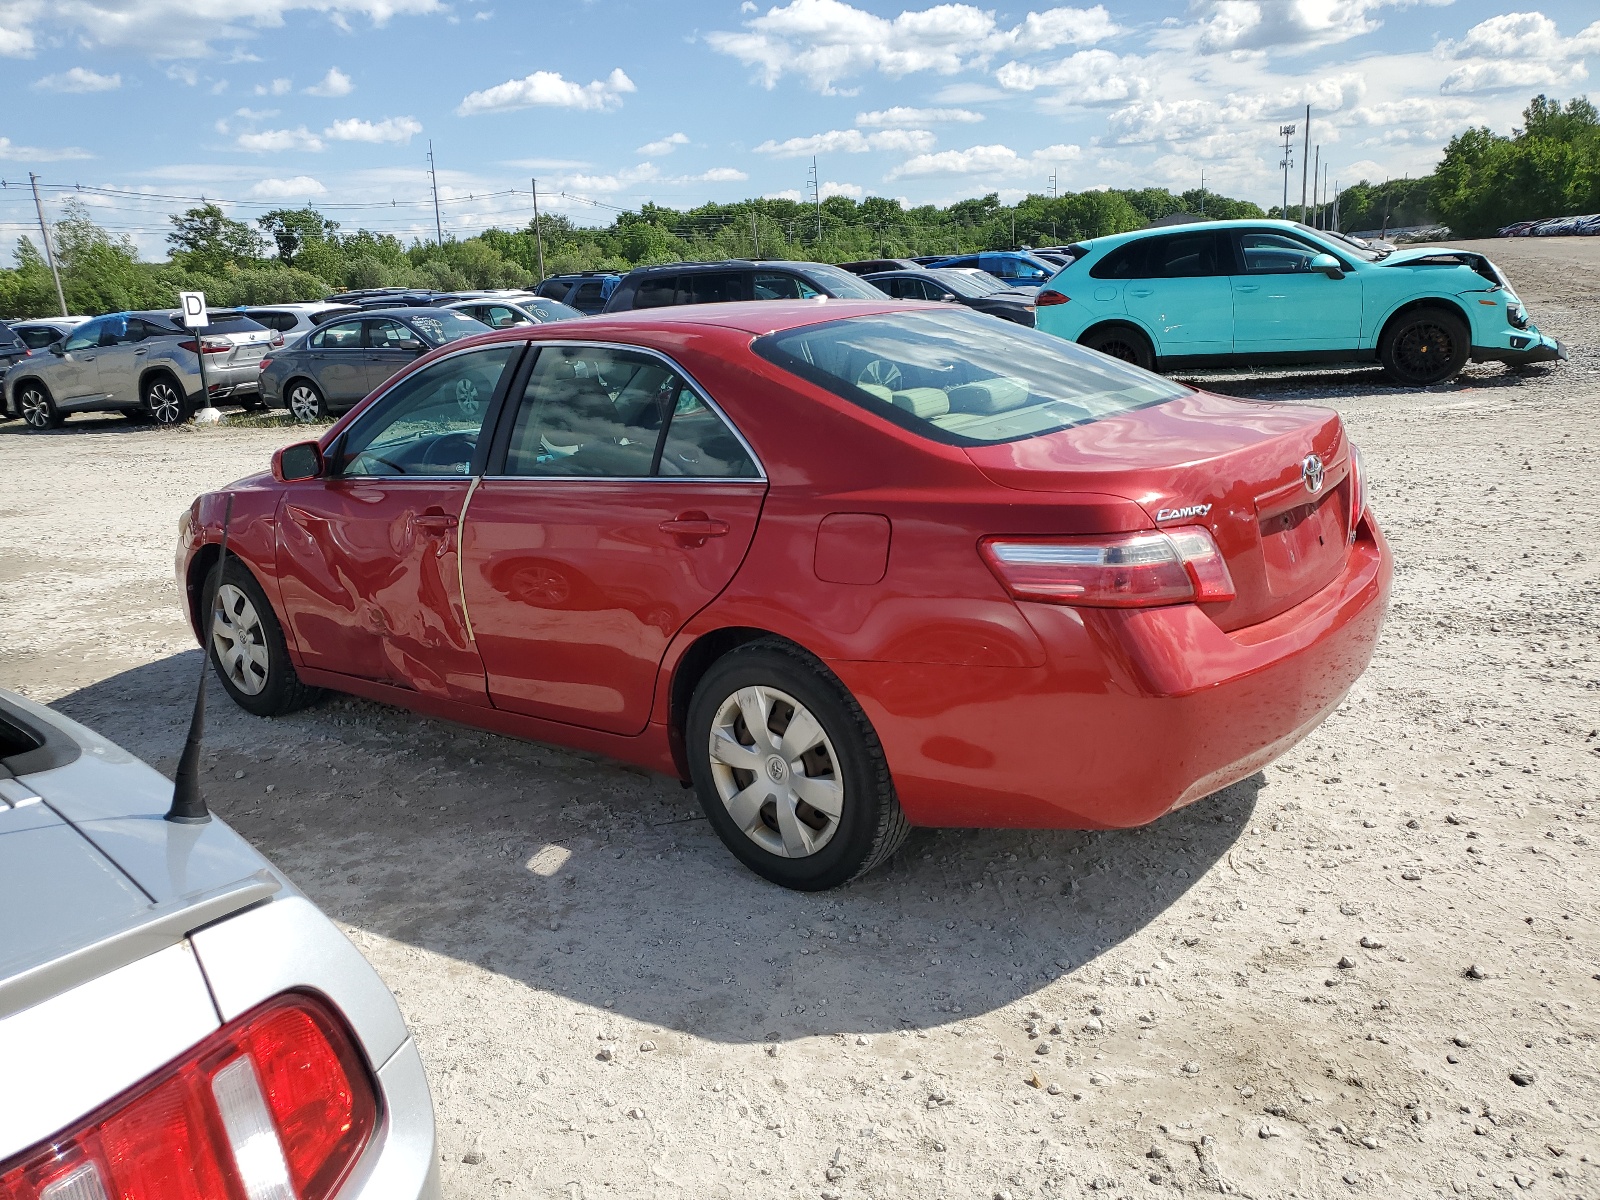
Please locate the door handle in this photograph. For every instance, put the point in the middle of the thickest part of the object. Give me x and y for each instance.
(1247, 287)
(693, 528)
(142, 350)
(1141, 292)
(438, 523)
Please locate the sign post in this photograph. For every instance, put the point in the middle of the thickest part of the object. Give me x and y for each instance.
(196, 318)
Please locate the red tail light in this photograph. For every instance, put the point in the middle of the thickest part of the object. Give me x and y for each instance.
(277, 341)
(207, 346)
(1125, 570)
(276, 1105)
(1358, 490)
(1050, 296)
(265, 363)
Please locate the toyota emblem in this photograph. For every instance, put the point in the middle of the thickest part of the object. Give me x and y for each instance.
(1311, 473)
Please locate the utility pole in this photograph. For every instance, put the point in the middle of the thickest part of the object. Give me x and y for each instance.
(438, 225)
(1304, 154)
(538, 237)
(1325, 201)
(1286, 132)
(1335, 225)
(816, 194)
(1202, 191)
(755, 234)
(44, 232)
(1316, 177)
(1052, 185)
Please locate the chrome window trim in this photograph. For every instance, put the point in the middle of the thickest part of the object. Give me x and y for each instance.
(761, 471)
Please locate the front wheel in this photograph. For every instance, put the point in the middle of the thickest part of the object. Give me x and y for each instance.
(1424, 346)
(246, 645)
(789, 770)
(37, 409)
(165, 402)
(1124, 342)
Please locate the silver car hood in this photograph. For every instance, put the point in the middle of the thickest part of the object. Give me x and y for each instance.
(91, 875)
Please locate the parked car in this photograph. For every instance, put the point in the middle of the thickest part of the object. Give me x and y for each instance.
(39, 332)
(174, 1009)
(340, 362)
(299, 318)
(12, 348)
(847, 567)
(1017, 268)
(1259, 292)
(389, 298)
(722, 282)
(875, 266)
(586, 291)
(956, 286)
(506, 314)
(145, 365)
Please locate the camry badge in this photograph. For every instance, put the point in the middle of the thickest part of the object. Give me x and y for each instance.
(1174, 514)
(1311, 473)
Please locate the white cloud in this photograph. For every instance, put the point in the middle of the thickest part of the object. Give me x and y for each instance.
(178, 28)
(187, 76)
(720, 175)
(1517, 50)
(277, 189)
(548, 88)
(828, 40)
(996, 160)
(79, 79)
(1292, 26)
(665, 146)
(255, 114)
(334, 83)
(1236, 113)
(1087, 77)
(274, 141)
(390, 129)
(850, 141)
(39, 154)
(278, 87)
(615, 182)
(901, 117)
(829, 188)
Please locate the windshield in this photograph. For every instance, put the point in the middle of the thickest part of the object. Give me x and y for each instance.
(955, 377)
(443, 326)
(968, 283)
(1345, 245)
(549, 310)
(841, 284)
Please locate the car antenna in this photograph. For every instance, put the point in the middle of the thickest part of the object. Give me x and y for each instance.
(188, 804)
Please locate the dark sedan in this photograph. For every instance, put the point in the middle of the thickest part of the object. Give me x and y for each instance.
(975, 289)
(336, 365)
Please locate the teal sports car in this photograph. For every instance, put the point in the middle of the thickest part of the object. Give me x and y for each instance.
(1251, 293)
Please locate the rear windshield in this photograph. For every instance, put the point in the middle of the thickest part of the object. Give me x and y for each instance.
(7, 338)
(445, 326)
(963, 378)
(842, 284)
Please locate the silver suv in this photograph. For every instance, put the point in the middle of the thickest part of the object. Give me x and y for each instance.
(143, 364)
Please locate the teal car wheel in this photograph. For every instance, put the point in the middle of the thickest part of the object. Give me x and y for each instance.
(1121, 341)
(1424, 346)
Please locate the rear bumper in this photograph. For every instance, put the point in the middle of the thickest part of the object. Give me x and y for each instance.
(1136, 712)
(1528, 346)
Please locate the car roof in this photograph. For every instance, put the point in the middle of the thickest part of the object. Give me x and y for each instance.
(747, 316)
(294, 306)
(1118, 239)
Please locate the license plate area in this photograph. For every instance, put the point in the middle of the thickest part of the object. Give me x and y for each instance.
(1303, 546)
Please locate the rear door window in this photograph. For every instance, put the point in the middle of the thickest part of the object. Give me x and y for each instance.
(657, 291)
(1186, 256)
(771, 285)
(590, 294)
(716, 287)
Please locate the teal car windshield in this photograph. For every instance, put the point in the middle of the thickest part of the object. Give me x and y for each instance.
(962, 378)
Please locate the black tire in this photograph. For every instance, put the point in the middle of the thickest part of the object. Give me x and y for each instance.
(305, 401)
(1424, 346)
(164, 400)
(282, 691)
(251, 402)
(870, 825)
(1121, 341)
(34, 405)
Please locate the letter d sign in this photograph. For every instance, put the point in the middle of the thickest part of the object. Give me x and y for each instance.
(194, 309)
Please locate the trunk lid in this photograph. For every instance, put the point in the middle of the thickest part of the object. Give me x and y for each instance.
(1236, 467)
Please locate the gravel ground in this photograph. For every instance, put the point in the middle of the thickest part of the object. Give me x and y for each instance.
(1373, 969)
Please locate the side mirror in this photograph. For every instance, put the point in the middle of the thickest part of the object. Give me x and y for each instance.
(58, 349)
(1328, 265)
(303, 460)
(950, 298)
(412, 344)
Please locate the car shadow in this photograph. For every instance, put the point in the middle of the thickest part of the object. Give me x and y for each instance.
(603, 883)
(1346, 381)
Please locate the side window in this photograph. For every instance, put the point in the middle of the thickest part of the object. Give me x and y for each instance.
(553, 289)
(1184, 256)
(38, 337)
(769, 285)
(384, 334)
(344, 336)
(281, 321)
(590, 294)
(116, 331)
(658, 291)
(716, 287)
(1125, 262)
(699, 443)
(1274, 253)
(428, 423)
(85, 336)
(498, 316)
(1018, 268)
(590, 411)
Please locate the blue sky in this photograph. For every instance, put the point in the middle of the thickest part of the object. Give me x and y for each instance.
(614, 102)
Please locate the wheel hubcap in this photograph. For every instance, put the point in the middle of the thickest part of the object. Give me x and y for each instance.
(35, 409)
(238, 642)
(165, 406)
(303, 404)
(776, 772)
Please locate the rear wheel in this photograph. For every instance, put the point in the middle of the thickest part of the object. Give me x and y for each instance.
(246, 645)
(1124, 342)
(1424, 346)
(164, 401)
(789, 770)
(36, 407)
(306, 403)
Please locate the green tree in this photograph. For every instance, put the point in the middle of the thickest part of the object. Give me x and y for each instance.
(293, 228)
(207, 239)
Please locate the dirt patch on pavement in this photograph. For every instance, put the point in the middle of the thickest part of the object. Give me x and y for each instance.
(1371, 969)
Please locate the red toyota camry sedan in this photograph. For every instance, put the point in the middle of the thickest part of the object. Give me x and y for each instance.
(847, 566)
